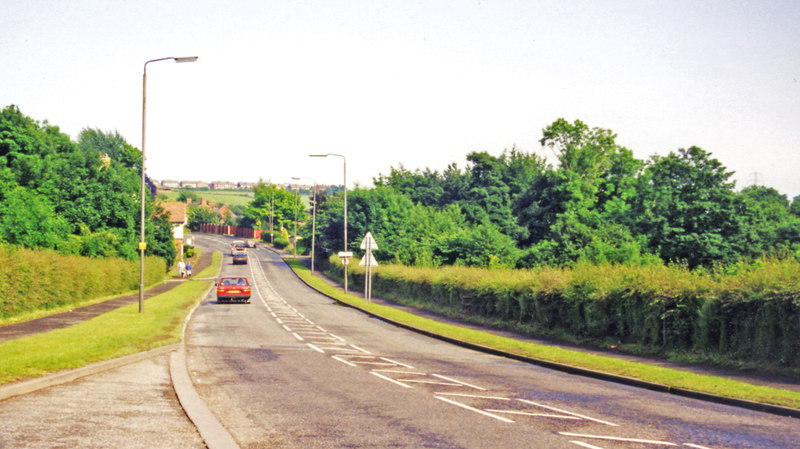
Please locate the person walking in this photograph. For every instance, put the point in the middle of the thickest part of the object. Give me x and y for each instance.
(188, 269)
(181, 268)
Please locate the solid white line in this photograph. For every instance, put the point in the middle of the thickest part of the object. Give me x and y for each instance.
(569, 413)
(297, 336)
(586, 445)
(610, 438)
(696, 446)
(538, 415)
(315, 348)
(463, 395)
(389, 379)
(398, 363)
(343, 361)
(362, 350)
(450, 401)
(458, 381)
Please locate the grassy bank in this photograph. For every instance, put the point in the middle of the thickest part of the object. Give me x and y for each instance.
(117, 333)
(660, 375)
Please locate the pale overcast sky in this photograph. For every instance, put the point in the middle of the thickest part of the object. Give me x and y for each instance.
(414, 82)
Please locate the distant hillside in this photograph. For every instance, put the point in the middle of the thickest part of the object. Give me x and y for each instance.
(229, 197)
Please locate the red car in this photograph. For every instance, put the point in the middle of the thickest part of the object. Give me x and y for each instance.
(233, 288)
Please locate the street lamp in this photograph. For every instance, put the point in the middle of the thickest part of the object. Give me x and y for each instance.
(142, 244)
(313, 218)
(294, 245)
(344, 159)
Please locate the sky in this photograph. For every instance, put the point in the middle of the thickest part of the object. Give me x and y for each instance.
(417, 83)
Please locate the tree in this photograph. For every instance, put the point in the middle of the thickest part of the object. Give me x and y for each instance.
(687, 209)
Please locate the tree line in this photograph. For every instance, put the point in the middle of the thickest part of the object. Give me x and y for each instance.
(76, 197)
(598, 204)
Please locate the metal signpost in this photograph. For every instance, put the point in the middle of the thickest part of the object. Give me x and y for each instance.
(368, 261)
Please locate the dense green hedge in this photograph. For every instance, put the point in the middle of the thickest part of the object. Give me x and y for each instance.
(746, 312)
(33, 279)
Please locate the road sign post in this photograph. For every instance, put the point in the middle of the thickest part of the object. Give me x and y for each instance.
(368, 261)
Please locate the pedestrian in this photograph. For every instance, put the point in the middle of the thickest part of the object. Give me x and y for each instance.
(181, 268)
(189, 269)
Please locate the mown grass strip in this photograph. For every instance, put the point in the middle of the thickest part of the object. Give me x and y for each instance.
(114, 334)
(649, 373)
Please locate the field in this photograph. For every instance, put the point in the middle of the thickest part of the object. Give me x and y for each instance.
(228, 197)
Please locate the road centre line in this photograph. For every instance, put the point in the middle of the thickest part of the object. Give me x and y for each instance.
(612, 438)
(476, 410)
(696, 446)
(568, 413)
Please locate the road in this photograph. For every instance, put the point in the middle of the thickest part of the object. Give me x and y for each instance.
(295, 370)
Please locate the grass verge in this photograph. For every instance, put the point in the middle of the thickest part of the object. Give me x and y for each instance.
(660, 375)
(114, 334)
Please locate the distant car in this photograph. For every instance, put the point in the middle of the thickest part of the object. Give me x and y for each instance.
(239, 256)
(238, 244)
(251, 244)
(231, 288)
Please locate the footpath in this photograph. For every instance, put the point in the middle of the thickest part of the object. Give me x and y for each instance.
(127, 402)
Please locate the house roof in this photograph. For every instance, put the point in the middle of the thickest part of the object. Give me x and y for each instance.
(177, 211)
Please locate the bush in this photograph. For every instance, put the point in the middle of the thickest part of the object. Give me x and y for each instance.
(32, 279)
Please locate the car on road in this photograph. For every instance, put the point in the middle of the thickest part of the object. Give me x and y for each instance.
(251, 244)
(233, 288)
(237, 244)
(239, 256)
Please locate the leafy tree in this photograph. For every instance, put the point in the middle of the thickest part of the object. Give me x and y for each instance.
(687, 209)
(284, 205)
(200, 215)
(768, 225)
(28, 219)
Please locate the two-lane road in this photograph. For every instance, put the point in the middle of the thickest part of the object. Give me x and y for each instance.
(294, 370)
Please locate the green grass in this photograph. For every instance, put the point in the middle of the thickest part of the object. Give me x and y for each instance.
(649, 373)
(229, 197)
(114, 334)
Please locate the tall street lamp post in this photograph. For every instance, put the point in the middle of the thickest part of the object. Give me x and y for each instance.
(344, 159)
(313, 218)
(294, 245)
(142, 244)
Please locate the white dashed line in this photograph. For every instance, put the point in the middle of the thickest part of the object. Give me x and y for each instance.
(569, 413)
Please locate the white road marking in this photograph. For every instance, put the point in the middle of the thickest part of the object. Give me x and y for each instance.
(696, 446)
(398, 363)
(362, 350)
(411, 373)
(315, 348)
(286, 327)
(389, 379)
(569, 413)
(475, 396)
(491, 415)
(458, 381)
(610, 438)
(586, 445)
(336, 357)
(430, 382)
(297, 336)
(538, 415)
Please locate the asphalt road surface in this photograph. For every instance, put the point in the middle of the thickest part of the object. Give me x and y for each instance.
(294, 370)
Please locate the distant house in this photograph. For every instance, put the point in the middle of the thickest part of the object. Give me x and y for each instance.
(177, 217)
(170, 184)
(223, 185)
